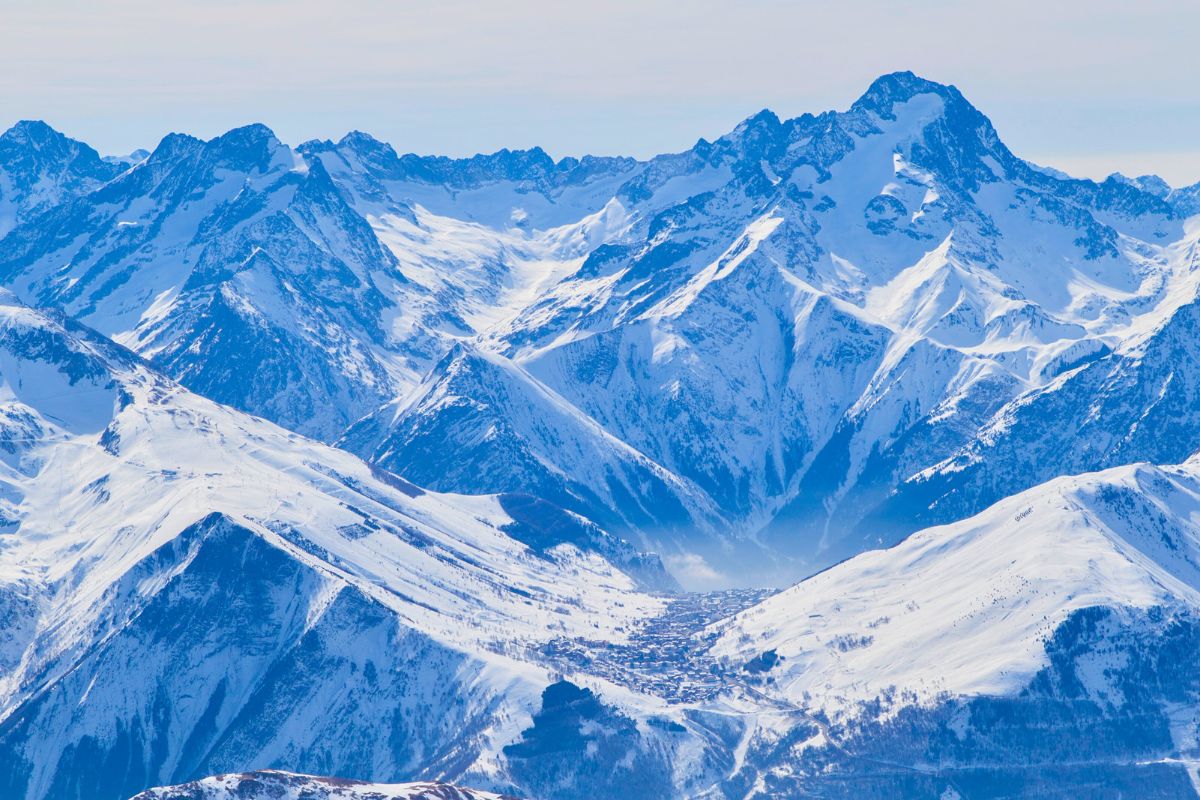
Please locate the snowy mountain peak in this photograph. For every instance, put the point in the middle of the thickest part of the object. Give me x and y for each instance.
(901, 87)
(376, 155)
(129, 159)
(41, 168)
(789, 347)
(31, 131)
(902, 230)
(760, 136)
(361, 139)
(32, 151)
(45, 145)
(250, 146)
(174, 146)
(1151, 184)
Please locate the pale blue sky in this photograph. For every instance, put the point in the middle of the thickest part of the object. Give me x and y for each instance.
(1089, 87)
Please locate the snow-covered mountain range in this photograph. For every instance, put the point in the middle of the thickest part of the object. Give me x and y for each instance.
(776, 348)
(343, 462)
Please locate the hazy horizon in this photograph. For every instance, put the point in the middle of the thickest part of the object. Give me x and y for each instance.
(1090, 89)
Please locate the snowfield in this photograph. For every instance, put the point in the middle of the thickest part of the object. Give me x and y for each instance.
(966, 609)
(143, 513)
(271, 785)
(330, 460)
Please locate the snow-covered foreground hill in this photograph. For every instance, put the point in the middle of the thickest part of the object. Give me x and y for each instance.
(271, 785)
(968, 608)
(1045, 647)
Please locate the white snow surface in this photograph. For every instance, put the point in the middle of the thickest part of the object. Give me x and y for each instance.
(889, 266)
(274, 785)
(103, 462)
(182, 457)
(965, 609)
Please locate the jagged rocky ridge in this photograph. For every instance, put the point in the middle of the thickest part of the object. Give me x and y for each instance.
(805, 339)
(40, 169)
(189, 590)
(776, 349)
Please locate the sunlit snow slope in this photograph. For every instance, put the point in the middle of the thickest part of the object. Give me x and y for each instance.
(967, 608)
(187, 588)
(808, 337)
(270, 785)
(1046, 642)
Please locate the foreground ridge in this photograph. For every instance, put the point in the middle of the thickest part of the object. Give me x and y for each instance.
(276, 785)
